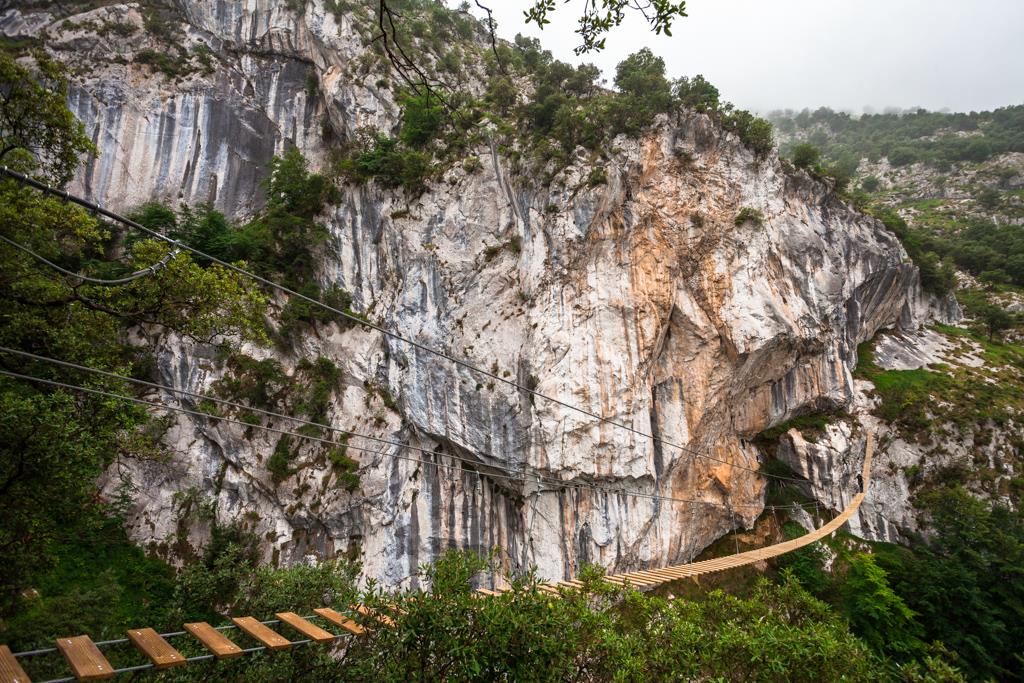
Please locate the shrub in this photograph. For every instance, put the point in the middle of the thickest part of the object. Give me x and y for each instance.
(298, 313)
(756, 133)
(749, 215)
(876, 613)
(345, 468)
(322, 376)
(597, 176)
(422, 117)
(279, 463)
(390, 164)
(806, 156)
(696, 93)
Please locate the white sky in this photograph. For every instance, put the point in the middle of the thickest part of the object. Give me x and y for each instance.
(847, 54)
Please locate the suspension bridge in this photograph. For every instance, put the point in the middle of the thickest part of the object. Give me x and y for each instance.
(86, 660)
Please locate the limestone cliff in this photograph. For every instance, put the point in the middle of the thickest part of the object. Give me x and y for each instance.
(641, 300)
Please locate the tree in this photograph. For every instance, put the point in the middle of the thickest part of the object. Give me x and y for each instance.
(996, 319)
(599, 18)
(876, 613)
(38, 134)
(806, 155)
(54, 444)
(963, 581)
(422, 118)
(696, 93)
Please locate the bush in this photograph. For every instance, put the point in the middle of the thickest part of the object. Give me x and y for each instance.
(876, 613)
(806, 156)
(756, 133)
(697, 94)
(345, 468)
(597, 176)
(299, 314)
(279, 463)
(422, 117)
(391, 165)
(749, 215)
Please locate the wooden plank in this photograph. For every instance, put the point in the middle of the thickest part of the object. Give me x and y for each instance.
(156, 648)
(260, 632)
(85, 659)
(337, 619)
(311, 631)
(10, 670)
(214, 641)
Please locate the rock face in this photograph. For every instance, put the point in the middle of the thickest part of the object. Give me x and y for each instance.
(640, 300)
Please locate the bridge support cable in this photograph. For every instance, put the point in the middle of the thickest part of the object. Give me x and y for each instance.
(217, 418)
(464, 364)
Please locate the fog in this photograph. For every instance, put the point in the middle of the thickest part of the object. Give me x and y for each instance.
(773, 54)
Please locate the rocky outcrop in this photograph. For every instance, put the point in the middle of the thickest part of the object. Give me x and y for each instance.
(641, 300)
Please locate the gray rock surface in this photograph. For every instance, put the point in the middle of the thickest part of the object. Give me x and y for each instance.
(640, 300)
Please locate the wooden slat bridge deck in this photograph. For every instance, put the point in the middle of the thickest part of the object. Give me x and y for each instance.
(87, 662)
(656, 577)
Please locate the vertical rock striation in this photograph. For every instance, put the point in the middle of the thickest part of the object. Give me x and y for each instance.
(641, 300)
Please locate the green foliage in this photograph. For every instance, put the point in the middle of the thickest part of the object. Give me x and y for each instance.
(640, 77)
(921, 400)
(282, 241)
(601, 633)
(298, 313)
(38, 134)
(749, 215)
(321, 377)
(933, 138)
(345, 467)
(53, 446)
(597, 176)
(389, 163)
(170, 63)
(809, 425)
(963, 581)
(696, 93)
(422, 118)
(755, 132)
(876, 613)
(279, 463)
(50, 454)
(259, 383)
(599, 18)
(806, 156)
(228, 579)
(996, 319)
(100, 583)
(938, 275)
(805, 565)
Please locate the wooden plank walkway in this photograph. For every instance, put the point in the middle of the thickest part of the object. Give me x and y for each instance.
(214, 641)
(84, 658)
(10, 670)
(158, 650)
(88, 663)
(655, 577)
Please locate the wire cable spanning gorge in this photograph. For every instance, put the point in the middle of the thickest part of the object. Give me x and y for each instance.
(96, 209)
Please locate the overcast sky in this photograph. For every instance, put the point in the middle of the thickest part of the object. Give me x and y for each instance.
(773, 54)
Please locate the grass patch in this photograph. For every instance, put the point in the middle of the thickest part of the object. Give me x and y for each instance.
(811, 426)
